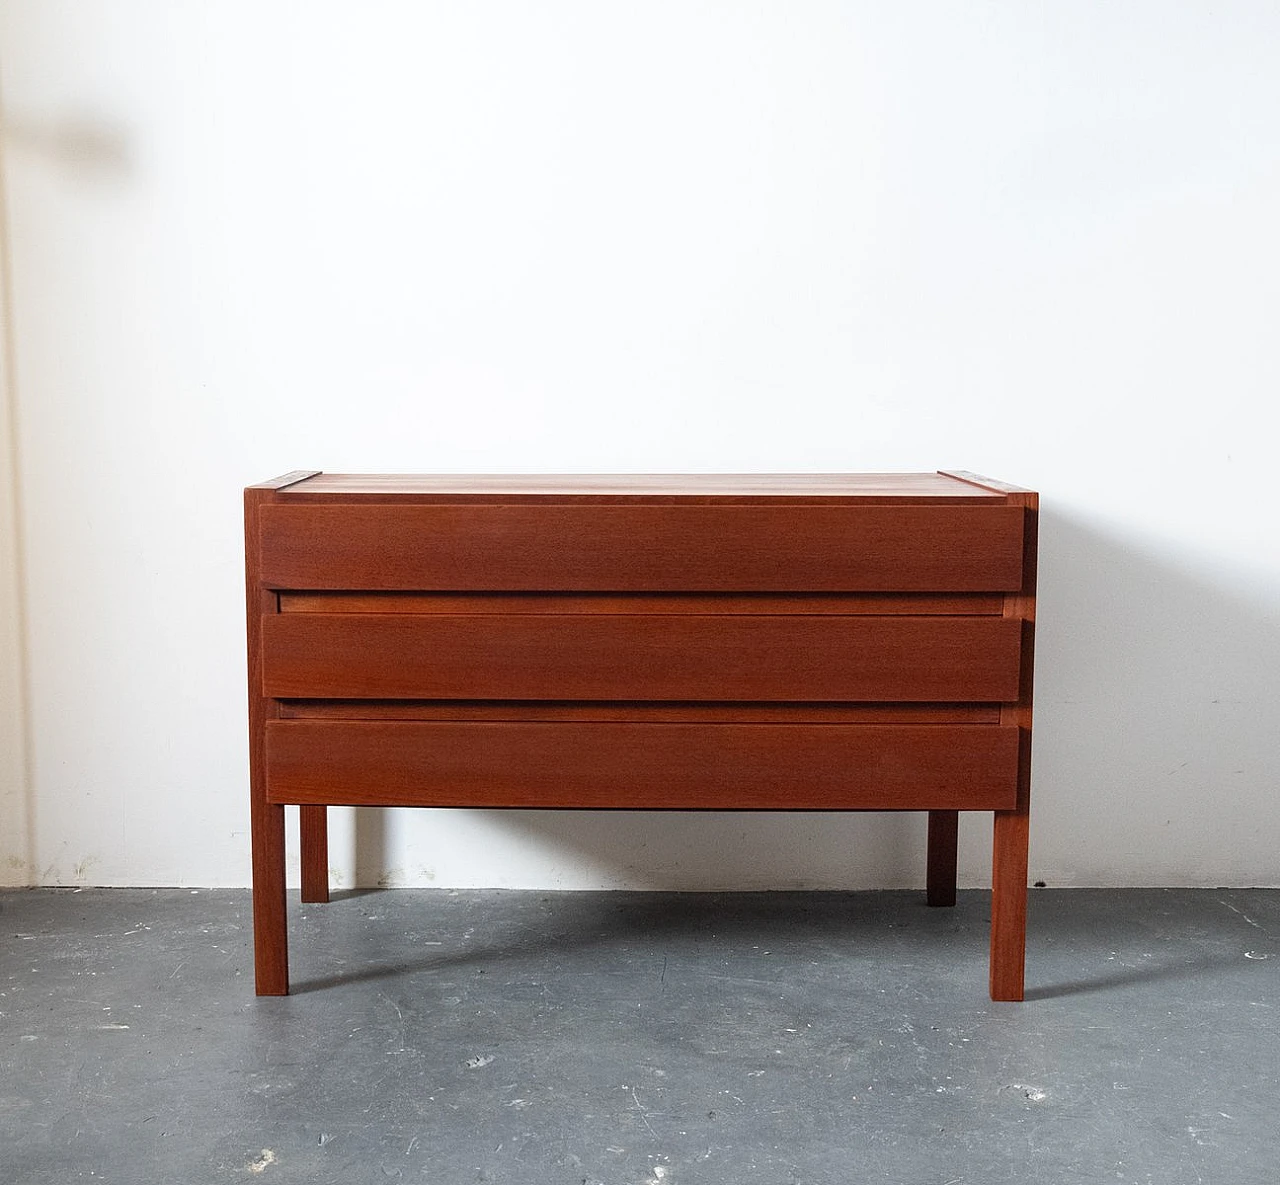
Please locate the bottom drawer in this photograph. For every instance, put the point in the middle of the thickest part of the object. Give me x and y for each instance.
(642, 766)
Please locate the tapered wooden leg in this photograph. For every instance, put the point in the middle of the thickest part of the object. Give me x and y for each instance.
(270, 934)
(944, 827)
(313, 826)
(1009, 904)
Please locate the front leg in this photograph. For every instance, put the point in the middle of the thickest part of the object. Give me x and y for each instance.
(270, 932)
(1009, 903)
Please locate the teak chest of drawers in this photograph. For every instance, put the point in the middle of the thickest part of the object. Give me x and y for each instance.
(786, 643)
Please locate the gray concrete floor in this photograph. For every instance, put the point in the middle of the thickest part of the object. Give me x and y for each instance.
(639, 1039)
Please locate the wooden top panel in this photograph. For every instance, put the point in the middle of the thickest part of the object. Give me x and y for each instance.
(800, 487)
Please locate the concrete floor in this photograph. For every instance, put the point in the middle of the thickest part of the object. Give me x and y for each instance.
(639, 1039)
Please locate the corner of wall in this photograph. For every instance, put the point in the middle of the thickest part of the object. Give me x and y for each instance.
(17, 808)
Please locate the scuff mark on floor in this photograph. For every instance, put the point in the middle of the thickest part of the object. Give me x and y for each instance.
(1244, 915)
(644, 1114)
(1033, 1094)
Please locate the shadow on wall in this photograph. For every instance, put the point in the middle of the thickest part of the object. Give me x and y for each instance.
(1157, 689)
(17, 805)
(86, 150)
(1158, 684)
(697, 850)
(81, 145)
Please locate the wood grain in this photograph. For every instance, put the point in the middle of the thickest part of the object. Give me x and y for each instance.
(865, 488)
(285, 480)
(313, 841)
(1012, 828)
(685, 547)
(270, 938)
(985, 483)
(622, 656)
(674, 642)
(643, 766)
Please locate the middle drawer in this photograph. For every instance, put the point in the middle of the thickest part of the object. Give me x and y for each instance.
(641, 657)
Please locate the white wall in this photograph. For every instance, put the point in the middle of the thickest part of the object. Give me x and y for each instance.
(1035, 240)
(16, 817)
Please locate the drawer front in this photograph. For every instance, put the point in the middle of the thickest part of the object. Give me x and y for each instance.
(643, 766)
(679, 548)
(641, 657)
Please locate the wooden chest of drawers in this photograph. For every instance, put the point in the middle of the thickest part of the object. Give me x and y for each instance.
(808, 642)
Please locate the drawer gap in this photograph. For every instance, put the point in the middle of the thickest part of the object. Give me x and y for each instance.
(639, 712)
(508, 603)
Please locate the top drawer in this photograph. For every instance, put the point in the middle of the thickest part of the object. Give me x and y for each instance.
(681, 547)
